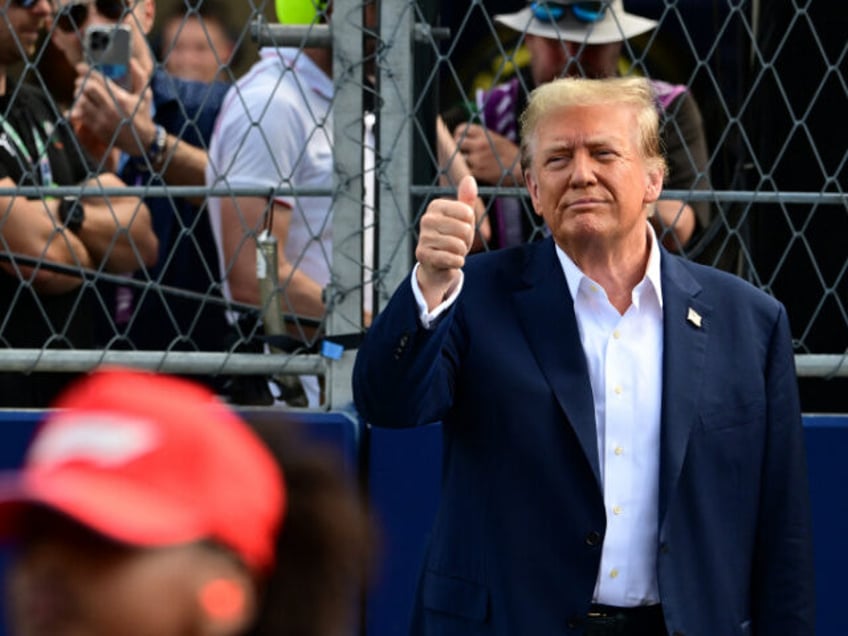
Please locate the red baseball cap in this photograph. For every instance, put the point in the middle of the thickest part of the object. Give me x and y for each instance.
(152, 460)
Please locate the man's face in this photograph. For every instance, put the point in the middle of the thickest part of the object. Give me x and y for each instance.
(20, 29)
(551, 58)
(193, 49)
(588, 178)
(70, 582)
(137, 14)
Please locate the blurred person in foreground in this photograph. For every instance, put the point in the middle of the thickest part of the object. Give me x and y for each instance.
(110, 233)
(155, 134)
(623, 449)
(568, 38)
(198, 43)
(146, 506)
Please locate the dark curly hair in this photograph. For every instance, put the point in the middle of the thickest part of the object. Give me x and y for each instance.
(327, 546)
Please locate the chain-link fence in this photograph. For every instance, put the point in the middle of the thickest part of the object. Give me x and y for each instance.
(765, 178)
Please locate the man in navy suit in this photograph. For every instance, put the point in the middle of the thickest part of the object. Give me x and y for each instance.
(623, 450)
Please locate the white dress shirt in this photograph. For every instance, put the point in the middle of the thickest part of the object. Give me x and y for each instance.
(624, 357)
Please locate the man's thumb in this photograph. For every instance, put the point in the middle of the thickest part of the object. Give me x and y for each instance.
(467, 190)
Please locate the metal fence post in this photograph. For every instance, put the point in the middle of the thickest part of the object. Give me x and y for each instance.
(343, 296)
(394, 174)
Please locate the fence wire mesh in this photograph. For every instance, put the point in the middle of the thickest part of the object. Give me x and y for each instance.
(327, 141)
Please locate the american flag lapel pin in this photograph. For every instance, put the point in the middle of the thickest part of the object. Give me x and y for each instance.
(694, 317)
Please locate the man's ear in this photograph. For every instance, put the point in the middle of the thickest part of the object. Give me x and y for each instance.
(654, 185)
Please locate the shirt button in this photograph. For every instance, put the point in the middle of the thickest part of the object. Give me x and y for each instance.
(619, 451)
(618, 390)
(613, 573)
(616, 334)
(593, 538)
(616, 510)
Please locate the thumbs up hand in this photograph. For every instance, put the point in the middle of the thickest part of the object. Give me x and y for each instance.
(446, 236)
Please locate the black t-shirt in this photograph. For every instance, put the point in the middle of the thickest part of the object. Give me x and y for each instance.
(29, 129)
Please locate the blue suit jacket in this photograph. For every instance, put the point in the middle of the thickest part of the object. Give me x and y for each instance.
(517, 541)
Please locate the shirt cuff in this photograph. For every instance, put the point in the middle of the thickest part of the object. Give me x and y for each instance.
(429, 318)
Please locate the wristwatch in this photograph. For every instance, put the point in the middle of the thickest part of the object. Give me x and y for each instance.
(158, 148)
(154, 159)
(71, 213)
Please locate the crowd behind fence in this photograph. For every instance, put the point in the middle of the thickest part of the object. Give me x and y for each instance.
(771, 80)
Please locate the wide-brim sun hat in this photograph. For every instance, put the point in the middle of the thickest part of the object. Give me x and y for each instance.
(584, 22)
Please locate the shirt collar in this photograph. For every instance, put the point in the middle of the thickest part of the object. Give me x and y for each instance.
(308, 71)
(574, 276)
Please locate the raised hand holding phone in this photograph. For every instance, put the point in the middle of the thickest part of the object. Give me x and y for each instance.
(445, 238)
(107, 116)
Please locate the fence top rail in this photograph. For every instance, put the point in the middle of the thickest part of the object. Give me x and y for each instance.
(204, 362)
(730, 196)
(76, 360)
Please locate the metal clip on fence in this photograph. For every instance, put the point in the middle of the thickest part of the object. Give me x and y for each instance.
(272, 318)
(266, 274)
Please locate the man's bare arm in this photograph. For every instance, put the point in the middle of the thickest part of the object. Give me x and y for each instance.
(117, 230)
(242, 220)
(30, 228)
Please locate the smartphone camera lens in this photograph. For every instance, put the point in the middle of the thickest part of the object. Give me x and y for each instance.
(99, 41)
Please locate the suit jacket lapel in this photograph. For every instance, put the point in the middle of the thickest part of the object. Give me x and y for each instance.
(546, 313)
(686, 325)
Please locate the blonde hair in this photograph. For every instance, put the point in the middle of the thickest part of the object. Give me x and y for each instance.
(578, 91)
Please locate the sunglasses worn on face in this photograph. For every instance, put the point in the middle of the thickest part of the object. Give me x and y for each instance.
(582, 11)
(72, 16)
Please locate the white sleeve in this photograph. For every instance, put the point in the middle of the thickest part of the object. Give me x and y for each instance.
(428, 318)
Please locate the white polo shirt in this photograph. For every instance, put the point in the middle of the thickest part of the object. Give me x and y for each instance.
(275, 129)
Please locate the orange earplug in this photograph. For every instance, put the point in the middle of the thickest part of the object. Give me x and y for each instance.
(222, 599)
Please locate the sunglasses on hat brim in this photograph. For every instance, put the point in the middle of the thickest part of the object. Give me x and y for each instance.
(72, 16)
(582, 11)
